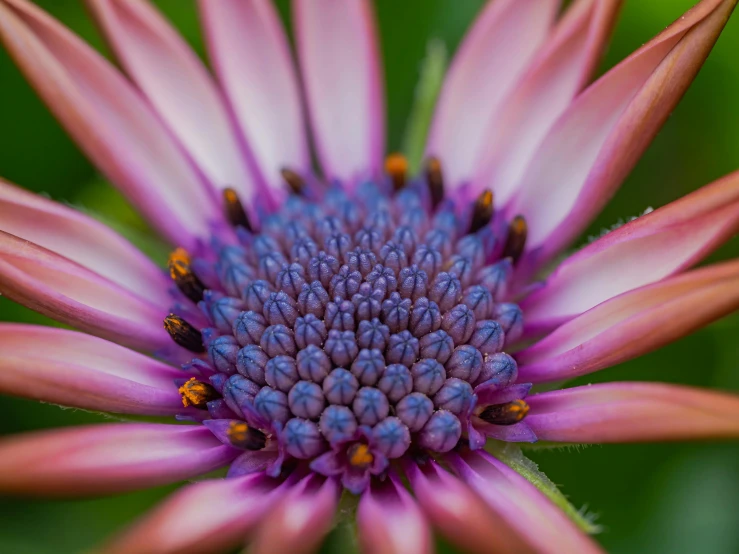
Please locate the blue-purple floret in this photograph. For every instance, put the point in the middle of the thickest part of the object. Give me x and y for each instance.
(352, 323)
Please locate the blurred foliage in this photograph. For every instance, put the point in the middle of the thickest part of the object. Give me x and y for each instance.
(651, 498)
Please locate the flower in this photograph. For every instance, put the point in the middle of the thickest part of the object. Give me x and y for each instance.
(350, 328)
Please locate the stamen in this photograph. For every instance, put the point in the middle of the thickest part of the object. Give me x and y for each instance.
(435, 181)
(505, 414)
(197, 394)
(396, 166)
(516, 240)
(482, 212)
(235, 212)
(293, 180)
(183, 333)
(183, 276)
(360, 455)
(243, 436)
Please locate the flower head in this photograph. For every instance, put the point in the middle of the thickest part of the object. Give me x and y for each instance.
(344, 329)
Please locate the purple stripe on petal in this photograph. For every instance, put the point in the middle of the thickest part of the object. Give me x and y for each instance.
(301, 519)
(108, 458)
(251, 56)
(341, 69)
(633, 324)
(207, 517)
(633, 412)
(179, 87)
(643, 251)
(82, 371)
(561, 68)
(390, 521)
(110, 122)
(596, 142)
(521, 505)
(459, 514)
(71, 294)
(490, 61)
(82, 239)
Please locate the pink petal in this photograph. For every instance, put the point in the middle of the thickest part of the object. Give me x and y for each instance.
(633, 412)
(559, 71)
(252, 59)
(596, 142)
(490, 61)
(641, 252)
(107, 458)
(301, 519)
(78, 370)
(521, 505)
(180, 89)
(460, 515)
(633, 324)
(82, 239)
(109, 121)
(71, 294)
(341, 69)
(390, 522)
(207, 517)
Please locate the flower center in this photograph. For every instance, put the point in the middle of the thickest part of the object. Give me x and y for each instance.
(379, 312)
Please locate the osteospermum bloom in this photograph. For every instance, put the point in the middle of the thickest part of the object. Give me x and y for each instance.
(354, 326)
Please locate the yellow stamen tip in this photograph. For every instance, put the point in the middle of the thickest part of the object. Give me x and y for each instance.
(360, 456)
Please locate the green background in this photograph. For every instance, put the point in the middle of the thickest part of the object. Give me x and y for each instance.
(650, 498)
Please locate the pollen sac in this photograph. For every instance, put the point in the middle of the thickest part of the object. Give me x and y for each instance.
(373, 334)
(428, 376)
(280, 309)
(256, 294)
(322, 268)
(414, 410)
(496, 277)
(196, 393)
(383, 279)
(269, 265)
(281, 373)
(272, 405)
(367, 302)
(184, 334)
(396, 382)
(465, 363)
(368, 366)
(340, 386)
(313, 364)
(345, 283)
(445, 219)
(462, 268)
(393, 257)
(306, 399)
(291, 279)
(403, 348)
(437, 346)
(313, 299)
(235, 277)
(509, 413)
(361, 260)
(340, 315)
(510, 317)
(223, 352)
(303, 249)
(240, 435)
(310, 330)
(406, 238)
(425, 317)
(472, 248)
(337, 424)
(302, 439)
(413, 283)
(328, 226)
(239, 390)
(391, 437)
(440, 241)
(499, 371)
(221, 310)
(341, 347)
(369, 238)
(459, 323)
(480, 300)
(264, 244)
(446, 290)
(441, 433)
(428, 259)
(338, 245)
(370, 406)
(455, 396)
(278, 340)
(396, 312)
(251, 361)
(488, 337)
(248, 328)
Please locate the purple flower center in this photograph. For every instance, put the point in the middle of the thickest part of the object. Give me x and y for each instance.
(378, 313)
